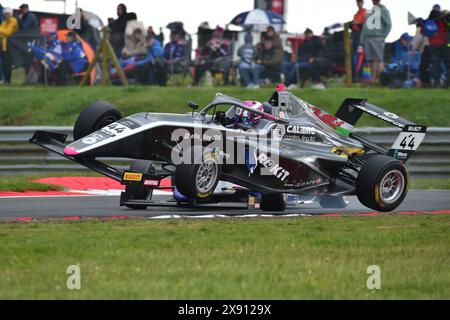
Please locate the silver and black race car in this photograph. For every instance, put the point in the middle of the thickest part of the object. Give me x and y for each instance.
(295, 148)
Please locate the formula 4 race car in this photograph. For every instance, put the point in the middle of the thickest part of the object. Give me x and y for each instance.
(294, 148)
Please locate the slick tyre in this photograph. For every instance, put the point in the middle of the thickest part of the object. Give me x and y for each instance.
(96, 116)
(273, 202)
(139, 192)
(382, 183)
(199, 179)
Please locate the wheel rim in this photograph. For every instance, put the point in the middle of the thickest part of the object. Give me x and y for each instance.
(392, 186)
(206, 176)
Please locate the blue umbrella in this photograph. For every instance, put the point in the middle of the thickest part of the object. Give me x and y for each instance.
(258, 17)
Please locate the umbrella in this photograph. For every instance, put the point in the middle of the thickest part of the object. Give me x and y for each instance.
(258, 17)
(93, 20)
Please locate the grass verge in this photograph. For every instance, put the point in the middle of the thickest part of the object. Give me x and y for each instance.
(308, 258)
(20, 183)
(61, 106)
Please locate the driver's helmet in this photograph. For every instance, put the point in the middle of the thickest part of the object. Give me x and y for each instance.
(247, 117)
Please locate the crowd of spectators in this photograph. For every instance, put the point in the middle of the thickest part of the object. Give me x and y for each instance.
(422, 60)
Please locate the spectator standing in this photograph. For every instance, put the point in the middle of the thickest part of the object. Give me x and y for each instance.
(27, 19)
(375, 30)
(421, 45)
(437, 46)
(247, 53)
(269, 60)
(1, 69)
(118, 27)
(356, 26)
(8, 27)
(446, 20)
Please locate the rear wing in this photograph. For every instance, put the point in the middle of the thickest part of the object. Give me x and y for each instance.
(408, 140)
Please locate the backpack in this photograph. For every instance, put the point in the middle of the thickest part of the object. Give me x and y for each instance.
(430, 28)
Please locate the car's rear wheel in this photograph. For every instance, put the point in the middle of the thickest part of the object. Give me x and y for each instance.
(140, 192)
(273, 202)
(382, 183)
(199, 179)
(96, 116)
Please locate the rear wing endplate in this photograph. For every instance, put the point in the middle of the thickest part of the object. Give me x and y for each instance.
(409, 138)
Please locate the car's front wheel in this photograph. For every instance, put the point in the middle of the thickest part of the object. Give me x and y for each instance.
(96, 116)
(199, 179)
(382, 183)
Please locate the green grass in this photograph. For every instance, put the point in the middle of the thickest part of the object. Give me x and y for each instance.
(430, 184)
(20, 183)
(61, 106)
(24, 183)
(306, 258)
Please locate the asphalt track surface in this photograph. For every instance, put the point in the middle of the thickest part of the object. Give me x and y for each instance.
(108, 206)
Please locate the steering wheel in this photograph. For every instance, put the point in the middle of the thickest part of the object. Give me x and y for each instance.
(221, 118)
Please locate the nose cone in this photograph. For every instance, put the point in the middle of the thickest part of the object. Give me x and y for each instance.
(69, 151)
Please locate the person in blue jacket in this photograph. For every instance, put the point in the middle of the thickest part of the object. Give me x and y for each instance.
(49, 56)
(74, 59)
(149, 68)
(74, 54)
(146, 69)
(402, 55)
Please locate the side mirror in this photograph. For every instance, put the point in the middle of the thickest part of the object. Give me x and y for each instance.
(193, 105)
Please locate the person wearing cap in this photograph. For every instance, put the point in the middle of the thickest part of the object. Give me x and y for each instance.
(376, 28)
(27, 19)
(401, 49)
(7, 28)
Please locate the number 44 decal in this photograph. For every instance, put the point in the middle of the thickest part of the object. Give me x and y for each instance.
(408, 141)
(409, 144)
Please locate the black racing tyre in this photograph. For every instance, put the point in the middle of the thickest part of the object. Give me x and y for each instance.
(139, 192)
(331, 202)
(96, 116)
(382, 183)
(273, 202)
(199, 179)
